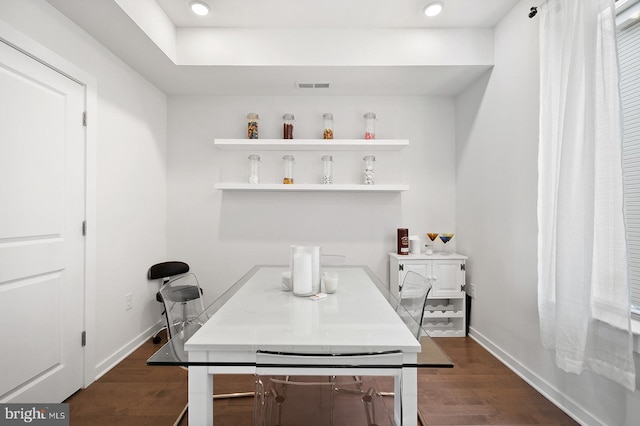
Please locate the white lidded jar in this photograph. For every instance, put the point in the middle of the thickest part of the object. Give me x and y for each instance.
(327, 126)
(368, 175)
(327, 170)
(252, 125)
(288, 169)
(254, 168)
(370, 125)
(287, 126)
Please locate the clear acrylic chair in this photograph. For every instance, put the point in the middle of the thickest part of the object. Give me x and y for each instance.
(317, 400)
(413, 298)
(282, 400)
(183, 304)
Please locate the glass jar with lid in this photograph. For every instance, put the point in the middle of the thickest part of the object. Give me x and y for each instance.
(370, 125)
(287, 126)
(254, 168)
(368, 175)
(252, 125)
(288, 169)
(327, 125)
(327, 169)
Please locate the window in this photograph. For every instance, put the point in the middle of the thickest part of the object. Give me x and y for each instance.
(628, 21)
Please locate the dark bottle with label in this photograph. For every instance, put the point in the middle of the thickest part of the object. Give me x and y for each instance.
(403, 241)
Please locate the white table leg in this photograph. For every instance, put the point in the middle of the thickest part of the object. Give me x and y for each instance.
(200, 393)
(409, 394)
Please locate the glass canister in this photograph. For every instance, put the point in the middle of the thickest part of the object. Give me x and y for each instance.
(368, 175)
(254, 168)
(252, 125)
(287, 126)
(288, 169)
(327, 125)
(370, 125)
(327, 169)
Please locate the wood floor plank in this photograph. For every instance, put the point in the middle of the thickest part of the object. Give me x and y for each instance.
(479, 390)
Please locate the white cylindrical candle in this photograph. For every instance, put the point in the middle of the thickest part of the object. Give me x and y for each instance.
(302, 273)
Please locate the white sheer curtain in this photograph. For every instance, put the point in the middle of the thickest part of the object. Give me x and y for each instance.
(583, 295)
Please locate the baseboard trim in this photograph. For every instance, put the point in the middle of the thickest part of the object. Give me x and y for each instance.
(103, 367)
(566, 404)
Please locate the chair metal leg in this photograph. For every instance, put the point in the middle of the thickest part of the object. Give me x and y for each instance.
(279, 399)
(181, 416)
(234, 395)
(369, 412)
(421, 419)
(156, 337)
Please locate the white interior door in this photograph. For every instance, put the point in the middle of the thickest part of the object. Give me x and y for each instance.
(42, 205)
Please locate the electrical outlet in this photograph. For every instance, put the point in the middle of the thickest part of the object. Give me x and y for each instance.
(129, 299)
(471, 290)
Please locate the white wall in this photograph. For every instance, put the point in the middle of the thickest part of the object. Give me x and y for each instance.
(496, 160)
(223, 234)
(130, 182)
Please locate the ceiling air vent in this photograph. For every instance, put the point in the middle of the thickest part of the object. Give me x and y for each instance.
(313, 85)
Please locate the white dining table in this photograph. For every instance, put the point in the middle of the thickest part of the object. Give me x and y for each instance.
(354, 321)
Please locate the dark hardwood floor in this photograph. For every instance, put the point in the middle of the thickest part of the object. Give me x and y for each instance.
(479, 390)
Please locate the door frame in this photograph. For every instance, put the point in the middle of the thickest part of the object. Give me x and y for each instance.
(40, 53)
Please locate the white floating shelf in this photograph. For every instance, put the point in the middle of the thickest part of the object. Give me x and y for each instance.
(311, 144)
(309, 187)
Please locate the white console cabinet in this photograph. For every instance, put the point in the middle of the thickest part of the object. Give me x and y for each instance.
(445, 311)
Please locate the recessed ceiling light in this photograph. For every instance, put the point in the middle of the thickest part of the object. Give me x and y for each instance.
(433, 8)
(200, 8)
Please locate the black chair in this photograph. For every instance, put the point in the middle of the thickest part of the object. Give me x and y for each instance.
(169, 273)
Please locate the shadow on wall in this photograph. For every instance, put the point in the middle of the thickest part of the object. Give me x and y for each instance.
(300, 216)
